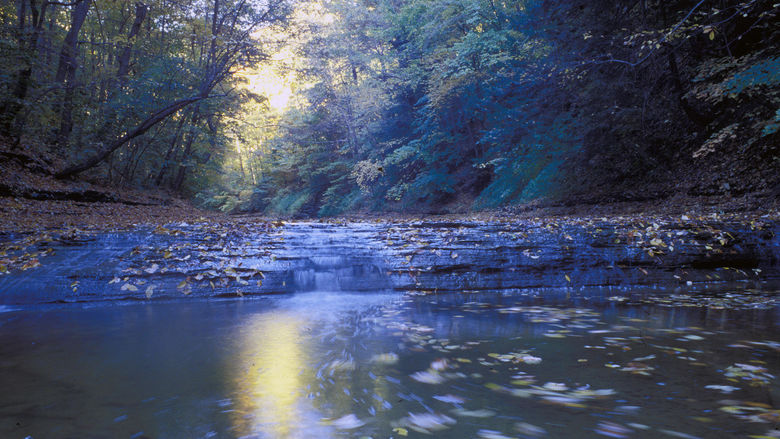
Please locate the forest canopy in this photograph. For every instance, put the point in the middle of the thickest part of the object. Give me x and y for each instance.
(320, 108)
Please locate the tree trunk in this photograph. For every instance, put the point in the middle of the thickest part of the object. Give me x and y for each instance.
(123, 61)
(240, 160)
(693, 115)
(169, 153)
(12, 106)
(179, 179)
(66, 116)
(68, 61)
(124, 58)
(66, 70)
(140, 129)
(9, 125)
(206, 85)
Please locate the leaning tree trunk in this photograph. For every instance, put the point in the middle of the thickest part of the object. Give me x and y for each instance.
(139, 130)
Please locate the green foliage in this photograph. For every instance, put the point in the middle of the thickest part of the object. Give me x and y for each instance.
(402, 104)
(534, 168)
(418, 104)
(773, 126)
(763, 73)
(131, 60)
(289, 203)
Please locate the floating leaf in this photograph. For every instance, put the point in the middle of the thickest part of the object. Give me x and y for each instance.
(427, 422)
(724, 389)
(388, 358)
(491, 434)
(129, 287)
(564, 400)
(638, 426)
(481, 413)
(149, 291)
(528, 359)
(678, 434)
(611, 429)
(557, 387)
(530, 429)
(342, 365)
(439, 364)
(494, 386)
(401, 431)
(346, 422)
(428, 377)
(451, 399)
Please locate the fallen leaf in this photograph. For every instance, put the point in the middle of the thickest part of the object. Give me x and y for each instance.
(152, 269)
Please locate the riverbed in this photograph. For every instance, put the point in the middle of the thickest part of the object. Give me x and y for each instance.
(586, 328)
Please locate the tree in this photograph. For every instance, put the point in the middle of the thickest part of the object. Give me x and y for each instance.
(230, 46)
(417, 104)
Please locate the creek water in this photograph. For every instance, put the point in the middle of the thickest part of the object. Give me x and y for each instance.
(364, 343)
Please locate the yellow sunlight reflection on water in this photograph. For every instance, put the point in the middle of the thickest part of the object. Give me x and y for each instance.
(272, 378)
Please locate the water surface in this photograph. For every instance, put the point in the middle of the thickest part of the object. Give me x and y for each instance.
(382, 334)
(322, 364)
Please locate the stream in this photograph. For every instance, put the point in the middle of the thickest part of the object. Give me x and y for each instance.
(471, 329)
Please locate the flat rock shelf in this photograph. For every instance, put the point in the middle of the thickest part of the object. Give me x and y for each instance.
(259, 258)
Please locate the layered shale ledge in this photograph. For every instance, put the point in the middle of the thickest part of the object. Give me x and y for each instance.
(251, 258)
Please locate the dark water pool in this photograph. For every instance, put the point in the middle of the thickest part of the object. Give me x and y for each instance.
(388, 364)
